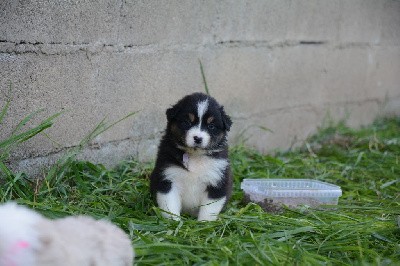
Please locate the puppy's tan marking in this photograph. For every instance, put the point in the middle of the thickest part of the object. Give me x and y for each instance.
(191, 117)
(210, 119)
(175, 130)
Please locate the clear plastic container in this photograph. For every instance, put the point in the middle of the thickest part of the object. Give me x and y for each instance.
(291, 192)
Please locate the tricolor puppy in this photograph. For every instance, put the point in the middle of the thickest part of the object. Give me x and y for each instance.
(192, 172)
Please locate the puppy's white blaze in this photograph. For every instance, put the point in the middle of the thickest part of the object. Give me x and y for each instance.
(196, 131)
(171, 204)
(189, 186)
(201, 110)
(210, 209)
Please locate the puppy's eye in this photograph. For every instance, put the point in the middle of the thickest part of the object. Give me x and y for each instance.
(211, 126)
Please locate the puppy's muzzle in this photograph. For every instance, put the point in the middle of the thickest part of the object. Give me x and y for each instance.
(197, 139)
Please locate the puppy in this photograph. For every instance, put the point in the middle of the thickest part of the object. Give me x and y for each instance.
(192, 172)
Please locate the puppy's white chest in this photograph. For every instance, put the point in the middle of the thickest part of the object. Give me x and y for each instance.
(201, 169)
(192, 182)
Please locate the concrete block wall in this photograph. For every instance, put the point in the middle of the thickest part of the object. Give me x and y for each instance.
(280, 64)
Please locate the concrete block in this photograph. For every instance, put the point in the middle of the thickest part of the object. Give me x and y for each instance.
(59, 22)
(298, 76)
(361, 21)
(315, 20)
(126, 23)
(290, 127)
(167, 22)
(358, 73)
(391, 107)
(390, 23)
(267, 78)
(287, 127)
(387, 77)
(251, 20)
(55, 83)
(346, 74)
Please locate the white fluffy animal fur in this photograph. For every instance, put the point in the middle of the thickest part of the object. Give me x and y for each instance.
(27, 238)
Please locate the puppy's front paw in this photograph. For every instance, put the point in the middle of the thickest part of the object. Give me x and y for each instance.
(170, 204)
(170, 216)
(207, 217)
(210, 209)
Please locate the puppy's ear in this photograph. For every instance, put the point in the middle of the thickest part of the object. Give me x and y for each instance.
(172, 112)
(226, 120)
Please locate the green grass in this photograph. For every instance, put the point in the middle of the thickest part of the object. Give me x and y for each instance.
(362, 230)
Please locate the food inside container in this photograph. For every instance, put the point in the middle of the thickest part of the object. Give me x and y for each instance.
(272, 194)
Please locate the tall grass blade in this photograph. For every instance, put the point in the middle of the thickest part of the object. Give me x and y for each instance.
(204, 78)
(7, 105)
(19, 138)
(26, 120)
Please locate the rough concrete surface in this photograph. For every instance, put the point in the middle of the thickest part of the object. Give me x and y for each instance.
(283, 65)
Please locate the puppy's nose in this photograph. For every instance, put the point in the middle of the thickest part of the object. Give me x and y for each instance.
(197, 139)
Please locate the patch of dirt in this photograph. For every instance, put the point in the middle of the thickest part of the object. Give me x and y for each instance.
(267, 205)
(271, 206)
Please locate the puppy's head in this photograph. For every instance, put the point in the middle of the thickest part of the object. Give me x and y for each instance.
(198, 122)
